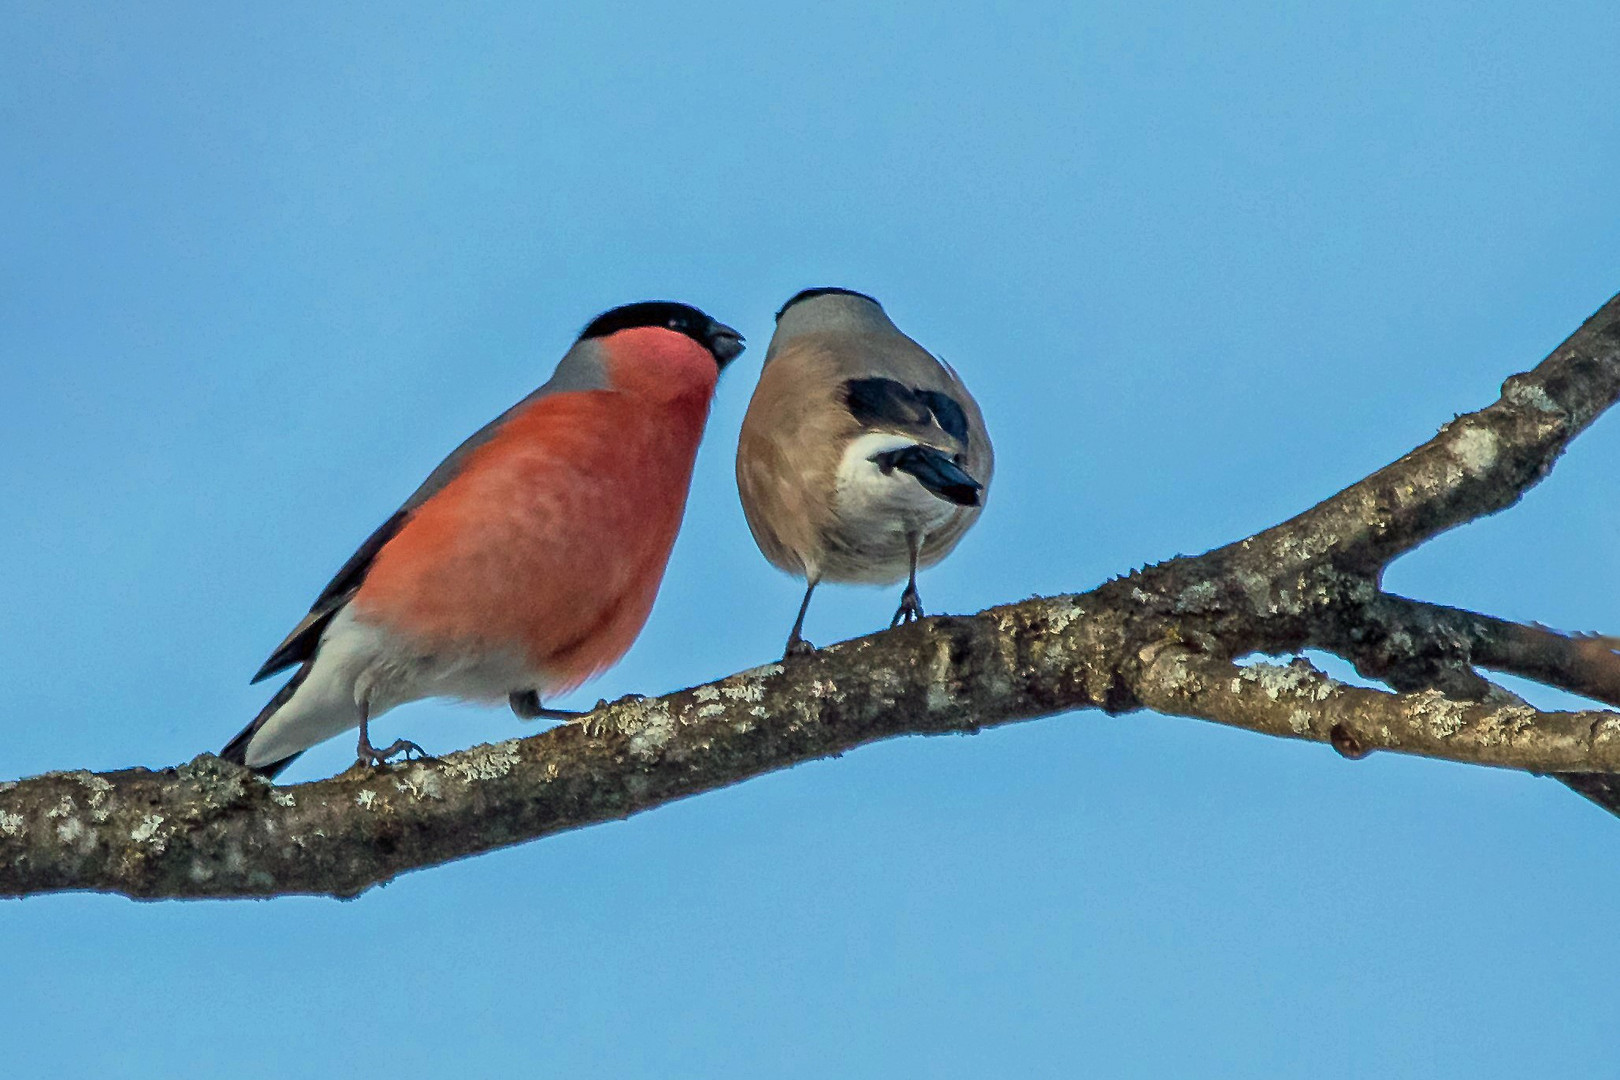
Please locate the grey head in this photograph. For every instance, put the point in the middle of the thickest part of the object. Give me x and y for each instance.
(833, 309)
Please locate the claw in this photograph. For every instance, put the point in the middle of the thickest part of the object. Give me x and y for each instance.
(797, 646)
(371, 756)
(910, 609)
(526, 706)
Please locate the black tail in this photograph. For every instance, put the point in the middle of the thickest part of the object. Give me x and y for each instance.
(236, 749)
(934, 471)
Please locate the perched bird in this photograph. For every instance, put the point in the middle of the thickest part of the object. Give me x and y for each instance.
(862, 456)
(527, 561)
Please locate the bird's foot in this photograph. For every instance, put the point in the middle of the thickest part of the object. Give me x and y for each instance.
(797, 647)
(910, 609)
(371, 756)
(526, 706)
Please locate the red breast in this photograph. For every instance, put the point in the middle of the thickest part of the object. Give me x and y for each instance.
(553, 538)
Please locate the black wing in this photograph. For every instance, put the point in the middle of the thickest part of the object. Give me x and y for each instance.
(236, 749)
(934, 471)
(300, 644)
(952, 420)
(878, 401)
(883, 401)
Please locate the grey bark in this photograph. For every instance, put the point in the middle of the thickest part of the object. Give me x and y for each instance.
(1167, 637)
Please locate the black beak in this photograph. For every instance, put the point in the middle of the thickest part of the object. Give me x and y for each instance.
(724, 342)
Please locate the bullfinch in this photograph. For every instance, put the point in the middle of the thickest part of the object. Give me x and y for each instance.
(528, 560)
(862, 456)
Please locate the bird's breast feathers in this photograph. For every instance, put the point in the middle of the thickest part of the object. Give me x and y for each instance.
(553, 537)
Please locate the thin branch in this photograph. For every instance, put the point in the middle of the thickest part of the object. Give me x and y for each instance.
(1412, 631)
(1478, 464)
(1298, 701)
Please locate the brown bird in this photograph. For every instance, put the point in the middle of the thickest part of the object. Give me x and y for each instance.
(862, 456)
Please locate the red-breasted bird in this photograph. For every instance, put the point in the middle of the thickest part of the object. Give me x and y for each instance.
(862, 456)
(527, 562)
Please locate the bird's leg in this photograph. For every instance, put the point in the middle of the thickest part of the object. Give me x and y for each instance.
(911, 607)
(370, 755)
(796, 645)
(526, 706)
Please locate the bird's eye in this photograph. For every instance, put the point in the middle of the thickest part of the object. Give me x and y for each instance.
(675, 323)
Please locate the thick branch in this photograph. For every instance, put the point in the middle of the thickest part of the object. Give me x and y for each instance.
(211, 829)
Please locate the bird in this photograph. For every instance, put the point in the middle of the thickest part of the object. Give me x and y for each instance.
(526, 562)
(862, 456)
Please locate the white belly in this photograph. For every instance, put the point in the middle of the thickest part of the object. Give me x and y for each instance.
(360, 663)
(876, 515)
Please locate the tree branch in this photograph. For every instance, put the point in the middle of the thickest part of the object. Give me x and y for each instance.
(1478, 464)
(1298, 701)
(1166, 637)
(1398, 640)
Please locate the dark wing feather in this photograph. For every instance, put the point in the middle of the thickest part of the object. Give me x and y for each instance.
(879, 402)
(300, 644)
(236, 749)
(952, 419)
(934, 471)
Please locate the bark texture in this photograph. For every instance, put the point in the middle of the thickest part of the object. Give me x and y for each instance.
(1167, 637)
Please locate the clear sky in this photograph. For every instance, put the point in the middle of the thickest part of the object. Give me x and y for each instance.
(1202, 264)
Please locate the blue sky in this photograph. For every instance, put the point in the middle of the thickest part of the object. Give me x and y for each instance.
(1202, 264)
